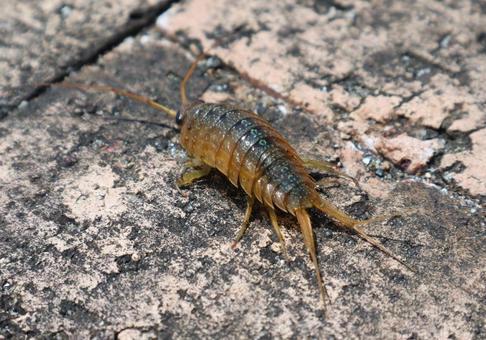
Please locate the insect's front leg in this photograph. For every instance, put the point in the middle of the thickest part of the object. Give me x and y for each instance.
(193, 170)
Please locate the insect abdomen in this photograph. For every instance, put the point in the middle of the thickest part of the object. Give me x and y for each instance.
(249, 152)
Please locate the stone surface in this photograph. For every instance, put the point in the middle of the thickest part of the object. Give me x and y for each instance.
(97, 241)
(473, 176)
(330, 57)
(411, 154)
(42, 41)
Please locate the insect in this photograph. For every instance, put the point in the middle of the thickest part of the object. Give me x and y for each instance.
(254, 156)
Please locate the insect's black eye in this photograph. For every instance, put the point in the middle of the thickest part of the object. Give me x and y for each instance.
(179, 117)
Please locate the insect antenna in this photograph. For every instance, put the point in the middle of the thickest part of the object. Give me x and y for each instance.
(124, 93)
(187, 76)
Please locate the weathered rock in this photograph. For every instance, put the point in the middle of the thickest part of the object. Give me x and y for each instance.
(328, 58)
(97, 241)
(42, 41)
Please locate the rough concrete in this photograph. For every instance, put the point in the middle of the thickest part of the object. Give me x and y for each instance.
(96, 241)
(337, 59)
(42, 41)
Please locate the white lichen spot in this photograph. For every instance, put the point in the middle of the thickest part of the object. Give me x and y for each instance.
(146, 39)
(163, 20)
(93, 194)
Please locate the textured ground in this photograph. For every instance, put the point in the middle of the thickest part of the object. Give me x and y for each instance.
(96, 241)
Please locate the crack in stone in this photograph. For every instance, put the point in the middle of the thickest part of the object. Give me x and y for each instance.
(408, 99)
(139, 21)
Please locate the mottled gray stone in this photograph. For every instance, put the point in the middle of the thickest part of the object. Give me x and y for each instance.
(96, 241)
(42, 41)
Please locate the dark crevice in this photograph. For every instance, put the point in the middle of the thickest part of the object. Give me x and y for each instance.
(139, 20)
(409, 99)
(324, 6)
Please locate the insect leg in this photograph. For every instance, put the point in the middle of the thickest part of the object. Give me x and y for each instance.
(246, 221)
(190, 175)
(328, 168)
(278, 231)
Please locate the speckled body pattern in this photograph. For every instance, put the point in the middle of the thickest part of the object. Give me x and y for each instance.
(252, 154)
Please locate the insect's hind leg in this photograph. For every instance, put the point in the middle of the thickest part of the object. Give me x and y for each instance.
(246, 221)
(346, 221)
(306, 229)
(328, 168)
(278, 231)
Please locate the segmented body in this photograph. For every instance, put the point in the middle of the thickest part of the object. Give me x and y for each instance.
(250, 152)
(253, 155)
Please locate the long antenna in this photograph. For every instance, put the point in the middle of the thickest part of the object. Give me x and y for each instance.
(121, 92)
(188, 75)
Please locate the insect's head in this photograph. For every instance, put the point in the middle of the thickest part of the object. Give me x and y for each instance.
(182, 115)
